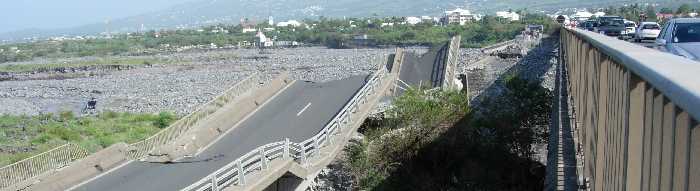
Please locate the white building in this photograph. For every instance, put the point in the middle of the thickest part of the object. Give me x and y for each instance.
(512, 16)
(292, 23)
(599, 14)
(413, 20)
(459, 16)
(582, 15)
(263, 41)
(248, 29)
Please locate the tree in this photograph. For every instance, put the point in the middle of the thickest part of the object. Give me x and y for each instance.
(651, 13)
(610, 11)
(684, 9)
(666, 10)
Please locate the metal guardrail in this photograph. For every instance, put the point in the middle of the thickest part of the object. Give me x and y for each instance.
(635, 113)
(55, 158)
(235, 172)
(172, 132)
(497, 46)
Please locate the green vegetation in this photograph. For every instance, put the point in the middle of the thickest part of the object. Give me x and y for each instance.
(334, 33)
(25, 136)
(128, 61)
(432, 141)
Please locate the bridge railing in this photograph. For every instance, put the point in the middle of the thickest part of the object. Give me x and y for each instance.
(55, 158)
(172, 132)
(258, 159)
(636, 113)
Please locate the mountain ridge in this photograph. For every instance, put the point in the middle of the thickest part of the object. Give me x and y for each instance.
(207, 12)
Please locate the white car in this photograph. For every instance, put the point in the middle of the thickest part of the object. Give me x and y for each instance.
(630, 29)
(647, 31)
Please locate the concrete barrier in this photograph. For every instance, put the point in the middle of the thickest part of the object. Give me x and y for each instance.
(78, 171)
(218, 123)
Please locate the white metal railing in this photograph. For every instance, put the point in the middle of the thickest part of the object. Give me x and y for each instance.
(497, 46)
(172, 132)
(235, 172)
(55, 158)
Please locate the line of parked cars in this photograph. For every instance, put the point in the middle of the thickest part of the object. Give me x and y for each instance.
(622, 28)
(680, 36)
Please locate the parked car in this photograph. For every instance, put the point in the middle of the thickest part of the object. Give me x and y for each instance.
(589, 25)
(610, 25)
(647, 31)
(681, 37)
(630, 29)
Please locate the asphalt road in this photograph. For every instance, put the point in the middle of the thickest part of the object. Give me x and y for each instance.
(423, 70)
(297, 113)
(646, 43)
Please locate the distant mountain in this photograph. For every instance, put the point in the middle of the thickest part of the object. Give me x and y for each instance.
(205, 12)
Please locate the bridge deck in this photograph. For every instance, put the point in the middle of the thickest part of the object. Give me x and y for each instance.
(297, 113)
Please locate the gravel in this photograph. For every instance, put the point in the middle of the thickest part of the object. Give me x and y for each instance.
(188, 80)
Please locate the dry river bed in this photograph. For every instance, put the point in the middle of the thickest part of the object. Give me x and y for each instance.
(181, 81)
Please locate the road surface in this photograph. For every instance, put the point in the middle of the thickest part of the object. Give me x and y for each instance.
(297, 113)
(424, 70)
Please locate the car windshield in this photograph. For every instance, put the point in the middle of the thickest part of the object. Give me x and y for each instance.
(629, 25)
(650, 26)
(617, 22)
(687, 32)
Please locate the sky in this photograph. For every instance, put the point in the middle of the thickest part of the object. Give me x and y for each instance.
(52, 14)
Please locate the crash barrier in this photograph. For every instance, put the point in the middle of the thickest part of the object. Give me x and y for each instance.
(259, 159)
(497, 47)
(55, 158)
(635, 113)
(142, 148)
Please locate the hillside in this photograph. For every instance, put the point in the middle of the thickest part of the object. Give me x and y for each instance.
(204, 12)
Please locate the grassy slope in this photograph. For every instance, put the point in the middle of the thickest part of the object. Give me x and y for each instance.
(76, 64)
(24, 136)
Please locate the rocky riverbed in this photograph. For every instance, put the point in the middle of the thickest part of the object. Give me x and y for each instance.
(178, 82)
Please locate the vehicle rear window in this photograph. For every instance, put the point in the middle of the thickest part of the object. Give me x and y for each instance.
(629, 25)
(651, 26)
(687, 32)
(613, 22)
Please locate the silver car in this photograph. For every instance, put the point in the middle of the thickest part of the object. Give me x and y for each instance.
(681, 37)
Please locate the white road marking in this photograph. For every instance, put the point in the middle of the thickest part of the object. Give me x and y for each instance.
(302, 110)
(221, 136)
(99, 175)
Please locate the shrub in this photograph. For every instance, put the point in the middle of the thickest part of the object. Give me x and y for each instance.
(164, 119)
